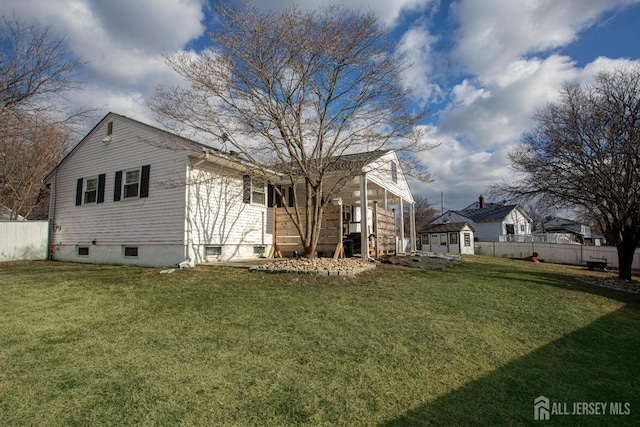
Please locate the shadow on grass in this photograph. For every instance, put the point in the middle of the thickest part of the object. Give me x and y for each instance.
(559, 280)
(597, 363)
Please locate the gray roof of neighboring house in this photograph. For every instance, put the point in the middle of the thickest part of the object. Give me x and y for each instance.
(489, 213)
(447, 227)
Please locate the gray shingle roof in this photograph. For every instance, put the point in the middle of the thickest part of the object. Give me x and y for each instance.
(490, 213)
(443, 228)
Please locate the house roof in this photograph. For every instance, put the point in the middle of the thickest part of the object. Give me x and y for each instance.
(347, 162)
(354, 161)
(488, 213)
(447, 227)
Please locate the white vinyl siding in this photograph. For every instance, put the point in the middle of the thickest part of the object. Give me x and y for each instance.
(381, 172)
(156, 219)
(219, 216)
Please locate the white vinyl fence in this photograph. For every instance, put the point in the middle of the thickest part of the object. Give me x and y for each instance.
(21, 240)
(555, 253)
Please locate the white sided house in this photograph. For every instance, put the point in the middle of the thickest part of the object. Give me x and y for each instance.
(489, 220)
(129, 193)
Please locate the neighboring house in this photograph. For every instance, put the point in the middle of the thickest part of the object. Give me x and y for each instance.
(129, 193)
(490, 220)
(5, 214)
(452, 237)
(577, 232)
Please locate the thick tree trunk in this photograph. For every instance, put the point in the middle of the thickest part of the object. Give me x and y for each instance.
(626, 250)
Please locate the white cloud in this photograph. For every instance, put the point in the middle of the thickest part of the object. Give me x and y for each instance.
(463, 172)
(498, 112)
(122, 42)
(466, 93)
(388, 11)
(494, 33)
(415, 46)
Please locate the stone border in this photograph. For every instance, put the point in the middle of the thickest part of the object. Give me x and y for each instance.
(343, 273)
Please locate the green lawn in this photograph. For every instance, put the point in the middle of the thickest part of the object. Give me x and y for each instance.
(470, 345)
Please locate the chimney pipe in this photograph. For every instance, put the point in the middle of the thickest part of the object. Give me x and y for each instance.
(481, 201)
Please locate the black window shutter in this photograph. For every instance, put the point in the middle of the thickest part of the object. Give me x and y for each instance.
(270, 195)
(144, 181)
(291, 196)
(79, 192)
(246, 189)
(101, 179)
(117, 187)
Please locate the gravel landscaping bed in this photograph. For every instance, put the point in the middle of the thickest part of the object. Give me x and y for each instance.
(318, 266)
(631, 286)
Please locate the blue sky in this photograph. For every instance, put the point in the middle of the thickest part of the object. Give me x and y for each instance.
(481, 67)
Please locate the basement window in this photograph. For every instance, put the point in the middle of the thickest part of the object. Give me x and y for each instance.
(258, 250)
(131, 251)
(82, 250)
(212, 251)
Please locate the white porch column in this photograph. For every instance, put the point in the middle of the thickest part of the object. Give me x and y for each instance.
(401, 227)
(384, 198)
(412, 226)
(364, 221)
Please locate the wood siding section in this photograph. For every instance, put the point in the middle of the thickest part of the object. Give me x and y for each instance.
(385, 231)
(287, 236)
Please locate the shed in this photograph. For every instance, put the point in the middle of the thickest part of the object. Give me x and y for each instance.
(452, 237)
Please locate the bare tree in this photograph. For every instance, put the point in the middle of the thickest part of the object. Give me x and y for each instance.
(585, 153)
(292, 92)
(424, 213)
(30, 147)
(35, 68)
(36, 121)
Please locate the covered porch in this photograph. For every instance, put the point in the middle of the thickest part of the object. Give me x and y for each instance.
(366, 218)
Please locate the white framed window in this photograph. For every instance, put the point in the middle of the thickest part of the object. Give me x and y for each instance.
(258, 193)
(90, 190)
(424, 239)
(131, 184)
(394, 172)
(453, 238)
(467, 239)
(82, 251)
(523, 228)
(130, 251)
(212, 251)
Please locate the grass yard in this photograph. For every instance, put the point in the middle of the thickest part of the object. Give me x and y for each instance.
(470, 345)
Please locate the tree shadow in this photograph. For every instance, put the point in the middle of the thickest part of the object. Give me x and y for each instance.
(597, 363)
(569, 282)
